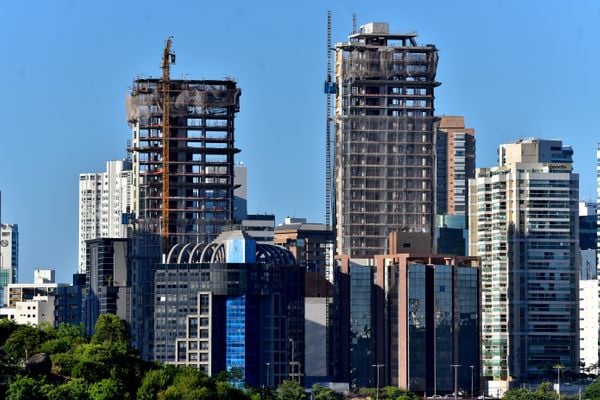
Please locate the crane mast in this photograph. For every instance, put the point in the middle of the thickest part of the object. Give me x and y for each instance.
(329, 90)
(167, 59)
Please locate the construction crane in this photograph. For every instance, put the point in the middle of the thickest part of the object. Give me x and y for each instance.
(329, 89)
(167, 59)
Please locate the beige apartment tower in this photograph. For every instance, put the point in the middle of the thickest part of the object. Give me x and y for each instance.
(455, 165)
(384, 138)
(523, 220)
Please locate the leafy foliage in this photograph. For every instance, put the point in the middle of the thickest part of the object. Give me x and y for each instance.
(323, 393)
(543, 392)
(593, 390)
(26, 388)
(290, 390)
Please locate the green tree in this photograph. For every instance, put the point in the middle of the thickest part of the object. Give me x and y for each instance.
(7, 327)
(290, 390)
(324, 393)
(110, 329)
(75, 389)
(155, 382)
(592, 392)
(92, 363)
(23, 342)
(545, 392)
(519, 394)
(64, 338)
(26, 388)
(396, 393)
(107, 389)
(190, 384)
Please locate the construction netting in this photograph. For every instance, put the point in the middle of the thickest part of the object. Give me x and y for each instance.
(386, 62)
(149, 102)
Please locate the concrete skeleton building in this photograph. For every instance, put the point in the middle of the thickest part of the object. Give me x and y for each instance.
(384, 138)
(105, 199)
(183, 183)
(201, 156)
(524, 227)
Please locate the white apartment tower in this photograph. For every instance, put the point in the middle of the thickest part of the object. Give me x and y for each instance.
(9, 258)
(523, 217)
(104, 199)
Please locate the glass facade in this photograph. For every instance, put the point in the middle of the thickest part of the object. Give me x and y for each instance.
(362, 324)
(230, 316)
(524, 229)
(443, 314)
(443, 326)
(235, 334)
(466, 282)
(417, 327)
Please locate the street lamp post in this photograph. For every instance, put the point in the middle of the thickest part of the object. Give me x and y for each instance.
(558, 368)
(472, 393)
(292, 375)
(377, 366)
(268, 368)
(455, 366)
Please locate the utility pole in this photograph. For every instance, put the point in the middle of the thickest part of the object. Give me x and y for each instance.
(472, 393)
(268, 368)
(558, 368)
(455, 366)
(377, 366)
(292, 366)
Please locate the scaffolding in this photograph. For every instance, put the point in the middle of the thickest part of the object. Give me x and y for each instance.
(200, 157)
(384, 139)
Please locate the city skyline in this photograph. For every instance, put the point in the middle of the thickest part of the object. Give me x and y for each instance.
(72, 64)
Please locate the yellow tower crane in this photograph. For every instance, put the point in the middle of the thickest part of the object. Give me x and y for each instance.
(167, 59)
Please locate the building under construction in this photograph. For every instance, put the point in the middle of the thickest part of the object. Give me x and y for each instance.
(384, 138)
(183, 175)
(200, 157)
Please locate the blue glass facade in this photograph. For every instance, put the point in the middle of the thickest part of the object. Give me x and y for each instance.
(235, 334)
(362, 326)
(230, 316)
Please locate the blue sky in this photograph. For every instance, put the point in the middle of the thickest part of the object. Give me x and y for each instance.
(513, 68)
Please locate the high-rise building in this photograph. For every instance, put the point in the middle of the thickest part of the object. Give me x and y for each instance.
(434, 322)
(409, 312)
(310, 243)
(199, 172)
(9, 258)
(588, 287)
(108, 288)
(524, 226)
(200, 157)
(598, 202)
(240, 192)
(104, 200)
(233, 304)
(384, 138)
(455, 165)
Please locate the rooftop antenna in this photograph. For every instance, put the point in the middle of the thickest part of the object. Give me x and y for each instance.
(353, 23)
